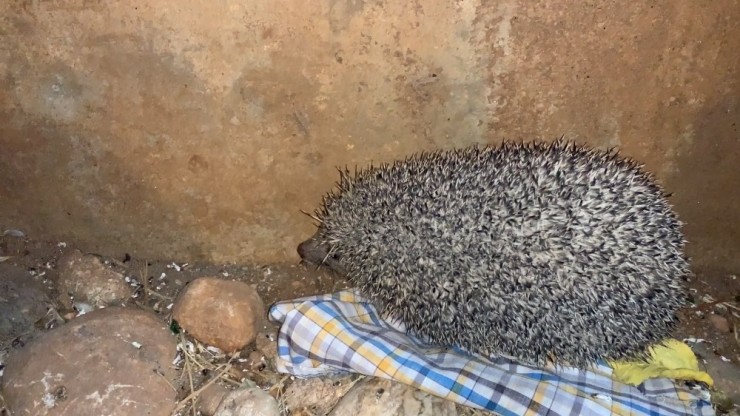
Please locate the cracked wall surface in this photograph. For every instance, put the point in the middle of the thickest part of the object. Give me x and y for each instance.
(200, 130)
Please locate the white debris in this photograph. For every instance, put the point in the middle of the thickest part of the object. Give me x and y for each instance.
(603, 397)
(225, 274)
(694, 340)
(177, 360)
(82, 308)
(14, 233)
(174, 265)
(49, 400)
(170, 306)
(162, 276)
(214, 350)
(725, 359)
(61, 244)
(188, 345)
(136, 345)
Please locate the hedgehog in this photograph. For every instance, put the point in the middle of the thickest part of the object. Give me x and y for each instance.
(543, 251)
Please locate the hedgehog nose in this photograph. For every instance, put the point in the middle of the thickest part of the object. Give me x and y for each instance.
(302, 249)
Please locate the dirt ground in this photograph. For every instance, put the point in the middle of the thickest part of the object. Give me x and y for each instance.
(714, 293)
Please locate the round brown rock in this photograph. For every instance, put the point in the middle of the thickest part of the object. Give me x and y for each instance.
(720, 322)
(222, 313)
(113, 361)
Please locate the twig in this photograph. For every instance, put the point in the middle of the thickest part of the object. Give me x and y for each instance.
(145, 281)
(159, 373)
(156, 294)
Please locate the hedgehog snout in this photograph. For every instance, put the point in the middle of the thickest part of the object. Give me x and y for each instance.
(313, 252)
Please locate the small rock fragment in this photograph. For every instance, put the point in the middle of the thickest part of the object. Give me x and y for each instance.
(88, 280)
(13, 243)
(266, 343)
(222, 313)
(720, 322)
(91, 367)
(256, 361)
(316, 395)
(376, 396)
(249, 401)
(721, 309)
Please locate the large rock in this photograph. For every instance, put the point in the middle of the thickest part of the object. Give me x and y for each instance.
(376, 396)
(222, 313)
(113, 361)
(87, 279)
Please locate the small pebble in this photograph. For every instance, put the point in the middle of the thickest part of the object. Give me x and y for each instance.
(720, 322)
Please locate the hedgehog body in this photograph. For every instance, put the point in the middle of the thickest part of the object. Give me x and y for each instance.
(539, 251)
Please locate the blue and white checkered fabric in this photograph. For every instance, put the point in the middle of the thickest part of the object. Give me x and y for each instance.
(343, 332)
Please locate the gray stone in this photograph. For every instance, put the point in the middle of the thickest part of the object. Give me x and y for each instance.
(376, 396)
(249, 401)
(318, 395)
(88, 280)
(210, 398)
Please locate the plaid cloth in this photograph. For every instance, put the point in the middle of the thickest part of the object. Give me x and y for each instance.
(342, 332)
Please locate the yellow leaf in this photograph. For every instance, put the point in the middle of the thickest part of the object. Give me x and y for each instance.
(672, 359)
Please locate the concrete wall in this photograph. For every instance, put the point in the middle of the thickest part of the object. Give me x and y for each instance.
(200, 129)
